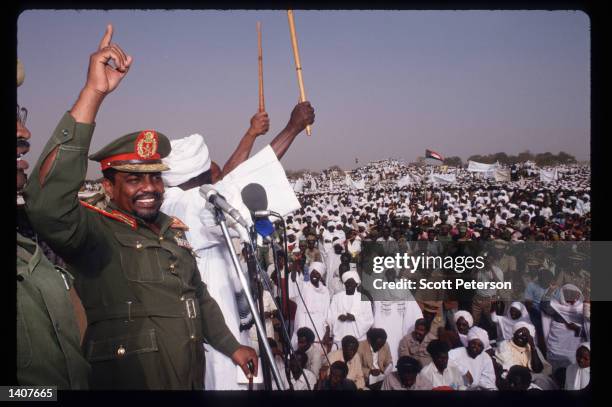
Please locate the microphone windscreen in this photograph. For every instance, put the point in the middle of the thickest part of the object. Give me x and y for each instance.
(254, 197)
(264, 227)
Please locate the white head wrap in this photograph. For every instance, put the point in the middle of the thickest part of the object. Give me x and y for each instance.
(476, 332)
(523, 324)
(318, 266)
(351, 274)
(466, 315)
(188, 158)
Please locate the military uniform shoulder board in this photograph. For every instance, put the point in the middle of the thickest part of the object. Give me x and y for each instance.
(178, 224)
(113, 215)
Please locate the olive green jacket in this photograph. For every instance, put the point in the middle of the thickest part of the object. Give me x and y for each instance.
(147, 308)
(48, 348)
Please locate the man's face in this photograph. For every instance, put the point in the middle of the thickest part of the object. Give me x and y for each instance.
(23, 146)
(303, 343)
(521, 337)
(515, 313)
(311, 243)
(419, 332)
(349, 351)
(331, 228)
(350, 286)
(474, 348)
(462, 326)
(408, 379)
(386, 233)
(440, 360)
(336, 376)
(138, 193)
(315, 277)
(583, 357)
(295, 365)
(338, 248)
(378, 344)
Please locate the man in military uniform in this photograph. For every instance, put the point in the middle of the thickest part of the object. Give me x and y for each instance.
(48, 340)
(148, 310)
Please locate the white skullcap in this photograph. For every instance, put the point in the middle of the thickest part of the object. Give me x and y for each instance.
(347, 275)
(523, 324)
(188, 158)
(476, 332)
(466, 315)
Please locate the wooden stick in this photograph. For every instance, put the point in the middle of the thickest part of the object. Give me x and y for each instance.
(262, 105)
(298, 65)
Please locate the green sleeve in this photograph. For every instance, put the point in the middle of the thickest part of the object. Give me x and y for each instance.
(53, 208)
(214, 329)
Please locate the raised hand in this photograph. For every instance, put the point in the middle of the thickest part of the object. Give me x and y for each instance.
(102, 77)
(301, 116)
(260, 124)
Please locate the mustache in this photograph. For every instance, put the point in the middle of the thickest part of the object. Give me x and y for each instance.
(155, 195)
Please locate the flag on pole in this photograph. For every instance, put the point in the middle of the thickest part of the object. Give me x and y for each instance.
(432, 154)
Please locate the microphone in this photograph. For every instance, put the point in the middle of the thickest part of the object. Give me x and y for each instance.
(212, 196)
(255, 198)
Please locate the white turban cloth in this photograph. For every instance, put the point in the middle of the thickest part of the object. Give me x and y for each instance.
(523, 324)
(347, 275)
(188, 158)
(476, 332)
(466, 315)
(318, 266)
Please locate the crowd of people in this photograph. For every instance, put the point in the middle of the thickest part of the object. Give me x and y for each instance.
(535, 336)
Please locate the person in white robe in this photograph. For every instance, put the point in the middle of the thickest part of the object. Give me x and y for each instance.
(442, 372)
(332, 263)
(463, 326)
(396, 315)
(314, 300)
(517, 312)
(578, 375)
(520, 351)
(190, 168)
(566, 312)
(348, 314)
(475, 360)
(300, 377)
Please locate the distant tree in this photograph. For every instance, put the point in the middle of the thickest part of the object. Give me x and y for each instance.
(525, 156)
(565, 158)
(453, 161)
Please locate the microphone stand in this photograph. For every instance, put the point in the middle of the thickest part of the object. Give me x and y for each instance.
(258, 294)
(220, 219)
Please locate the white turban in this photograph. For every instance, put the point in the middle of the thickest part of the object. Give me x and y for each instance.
(188, 158)
(476, 332)
(466, 315)
(318, 266)
(523, 324)
(347, 275)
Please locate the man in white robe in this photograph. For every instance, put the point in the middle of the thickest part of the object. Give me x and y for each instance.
(348, 314)
(314, 299)
(578, 375)
(441, 372)
(474, 360)
(396, 315)
(190, 168)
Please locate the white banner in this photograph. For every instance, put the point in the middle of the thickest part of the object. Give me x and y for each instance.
(502, 174)
(442, 178)
(473, 166)
(549, 175)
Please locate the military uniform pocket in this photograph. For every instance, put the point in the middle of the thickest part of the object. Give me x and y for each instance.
(126, 362)
(122, 346)
(140, 258)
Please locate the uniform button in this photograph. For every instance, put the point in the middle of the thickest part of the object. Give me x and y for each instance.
(138, 245)
(65, 132)
(161, 238)
(182, 298)
(192, 336)
(121, 351)
(172, 266)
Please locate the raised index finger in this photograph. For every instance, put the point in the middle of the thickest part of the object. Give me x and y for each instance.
(108, 35)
